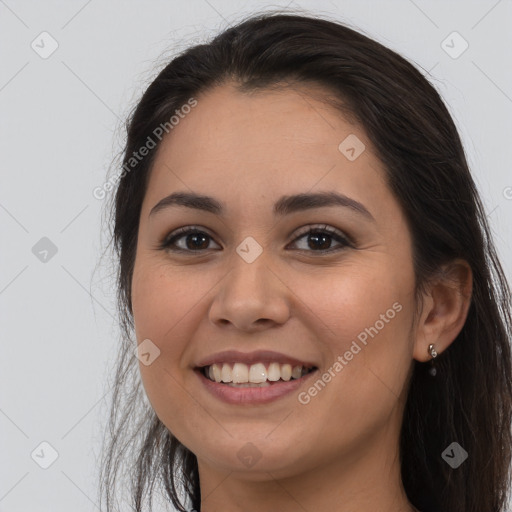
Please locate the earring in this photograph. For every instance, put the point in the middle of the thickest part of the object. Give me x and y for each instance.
(432, 351)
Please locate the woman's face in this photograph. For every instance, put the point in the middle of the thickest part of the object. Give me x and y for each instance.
(250, 281)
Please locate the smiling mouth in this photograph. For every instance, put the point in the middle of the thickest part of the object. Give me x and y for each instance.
(254, 375)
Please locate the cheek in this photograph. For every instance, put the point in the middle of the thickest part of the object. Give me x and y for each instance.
(160, 301)
(167, 306)
(158, 307)
(362, 317)
(346, 302)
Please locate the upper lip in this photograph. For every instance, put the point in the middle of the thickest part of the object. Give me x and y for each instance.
(258, 356)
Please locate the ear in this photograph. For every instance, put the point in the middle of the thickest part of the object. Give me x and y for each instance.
(445, 307)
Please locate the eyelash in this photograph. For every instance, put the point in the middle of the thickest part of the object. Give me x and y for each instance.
(171, 238)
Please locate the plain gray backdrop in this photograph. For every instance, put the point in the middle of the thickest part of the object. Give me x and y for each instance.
(70, 72)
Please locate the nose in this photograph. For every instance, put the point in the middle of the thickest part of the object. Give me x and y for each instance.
(251, 297)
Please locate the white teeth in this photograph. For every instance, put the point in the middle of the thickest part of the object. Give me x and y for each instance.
(274, 372)
(240, 373)
(286, 371)
(249, 385)
(216, 373)
(256, 373)
(226, 374)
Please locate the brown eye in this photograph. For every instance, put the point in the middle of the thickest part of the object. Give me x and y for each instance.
(319, 239)
(193, 240)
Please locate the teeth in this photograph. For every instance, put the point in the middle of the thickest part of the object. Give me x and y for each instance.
(226, 373)
(258, 373)
(249, 385)
(297, 372)
(216, 373)
(240, 373)
(286, 371)
(274, 372)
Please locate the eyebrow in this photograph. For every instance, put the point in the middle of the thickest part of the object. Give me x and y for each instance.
(284, 206)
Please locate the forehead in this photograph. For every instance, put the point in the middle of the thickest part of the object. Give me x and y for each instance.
(263, 124)
(285, 140)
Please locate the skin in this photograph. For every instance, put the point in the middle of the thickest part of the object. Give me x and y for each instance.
(339, 451)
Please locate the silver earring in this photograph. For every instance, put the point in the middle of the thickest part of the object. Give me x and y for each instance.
(433, 354)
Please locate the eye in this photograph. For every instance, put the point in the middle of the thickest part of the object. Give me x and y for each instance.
(319, 237)
(193, 239)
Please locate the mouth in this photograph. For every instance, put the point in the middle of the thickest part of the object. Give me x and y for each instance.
(256, 375)
(255, 385)
(253, 378)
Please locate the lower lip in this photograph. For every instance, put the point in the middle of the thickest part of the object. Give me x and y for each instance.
(259, 395)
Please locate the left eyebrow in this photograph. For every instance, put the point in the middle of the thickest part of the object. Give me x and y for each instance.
(284, 206)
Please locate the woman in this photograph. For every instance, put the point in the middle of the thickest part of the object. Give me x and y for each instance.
(308, 280)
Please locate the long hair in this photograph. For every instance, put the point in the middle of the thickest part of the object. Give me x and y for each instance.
(470, 400)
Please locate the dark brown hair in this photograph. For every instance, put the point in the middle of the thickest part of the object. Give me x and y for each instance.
(414, 135)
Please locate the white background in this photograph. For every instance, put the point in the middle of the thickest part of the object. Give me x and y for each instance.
(61, 119)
